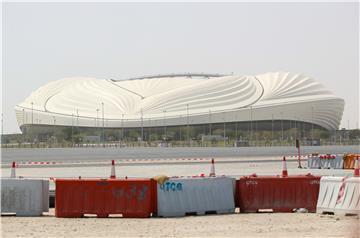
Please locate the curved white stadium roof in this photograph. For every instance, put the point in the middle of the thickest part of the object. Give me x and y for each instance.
(181, 99)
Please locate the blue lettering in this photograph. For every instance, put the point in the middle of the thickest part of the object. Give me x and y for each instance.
(179, 187)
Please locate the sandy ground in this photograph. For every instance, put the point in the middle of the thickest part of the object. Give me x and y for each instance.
(234, 225)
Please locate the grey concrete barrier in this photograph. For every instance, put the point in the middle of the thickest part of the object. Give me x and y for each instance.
(25, 197)
(316, 162)
(196, 196)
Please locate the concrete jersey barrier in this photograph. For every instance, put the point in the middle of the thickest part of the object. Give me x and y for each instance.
(325, 162)
(339, 195)
(200, 195)
(25, 197)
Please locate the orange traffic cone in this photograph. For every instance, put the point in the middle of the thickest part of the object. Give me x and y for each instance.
(284, 172)
(13, 172)
(356, 171)
(112, 175)
(212, 170)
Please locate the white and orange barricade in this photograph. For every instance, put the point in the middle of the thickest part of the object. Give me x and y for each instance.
(339, 195)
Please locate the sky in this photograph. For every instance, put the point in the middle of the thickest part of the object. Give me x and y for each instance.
(43, 42)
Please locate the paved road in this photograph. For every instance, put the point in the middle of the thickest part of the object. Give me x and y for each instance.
(101, 154)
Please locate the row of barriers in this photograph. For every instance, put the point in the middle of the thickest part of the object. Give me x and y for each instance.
(180, 196)
(331, 161)
(140, 198)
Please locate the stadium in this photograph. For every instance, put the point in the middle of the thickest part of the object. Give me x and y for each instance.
(274, 106)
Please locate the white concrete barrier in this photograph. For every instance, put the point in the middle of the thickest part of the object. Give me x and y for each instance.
(339, 195)
(199, 195)
(25, 197)
(318, 162)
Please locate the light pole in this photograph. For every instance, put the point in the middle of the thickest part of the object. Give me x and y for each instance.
(187, 123)
(180, 128)
(103, 122)
(210, 122)
(2, 126)
(23, 115)
(250, 125)
(312, 125)
(54, 129)
(97, 121)
(142, 126)
(77, 121)
(164, 124)
(72, 129)
(224, 130)
(272, 129)
(32, 122)
(149, 136)
(122, 127)
(236, 129)
(282, 129)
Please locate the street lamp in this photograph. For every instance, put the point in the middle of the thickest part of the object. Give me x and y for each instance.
(250, 124)
(272, 129)
(103, 121)
(187, 123)
(164, 124)
(97, 122)
(54, 129)
(72, 129)
(32, 122)
(210, 122)
(180, 128)
(23, 115)
(312, 125)
(142, 126)
(122, 127)
(224, 129)
(282, 129)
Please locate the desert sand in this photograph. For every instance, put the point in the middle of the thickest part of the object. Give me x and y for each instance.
(232, 225)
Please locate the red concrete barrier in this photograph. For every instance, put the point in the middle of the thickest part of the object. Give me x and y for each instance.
(104, 197)
(281, 194)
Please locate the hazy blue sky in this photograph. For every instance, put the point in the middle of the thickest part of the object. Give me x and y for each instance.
(43, 42)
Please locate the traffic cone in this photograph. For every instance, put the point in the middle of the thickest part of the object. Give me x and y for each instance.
(356, 171)
(13, 172)
(284, 172)
(112, 175)
(212, 170)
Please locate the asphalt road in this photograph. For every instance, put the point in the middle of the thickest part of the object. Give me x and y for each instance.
(101, 154)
